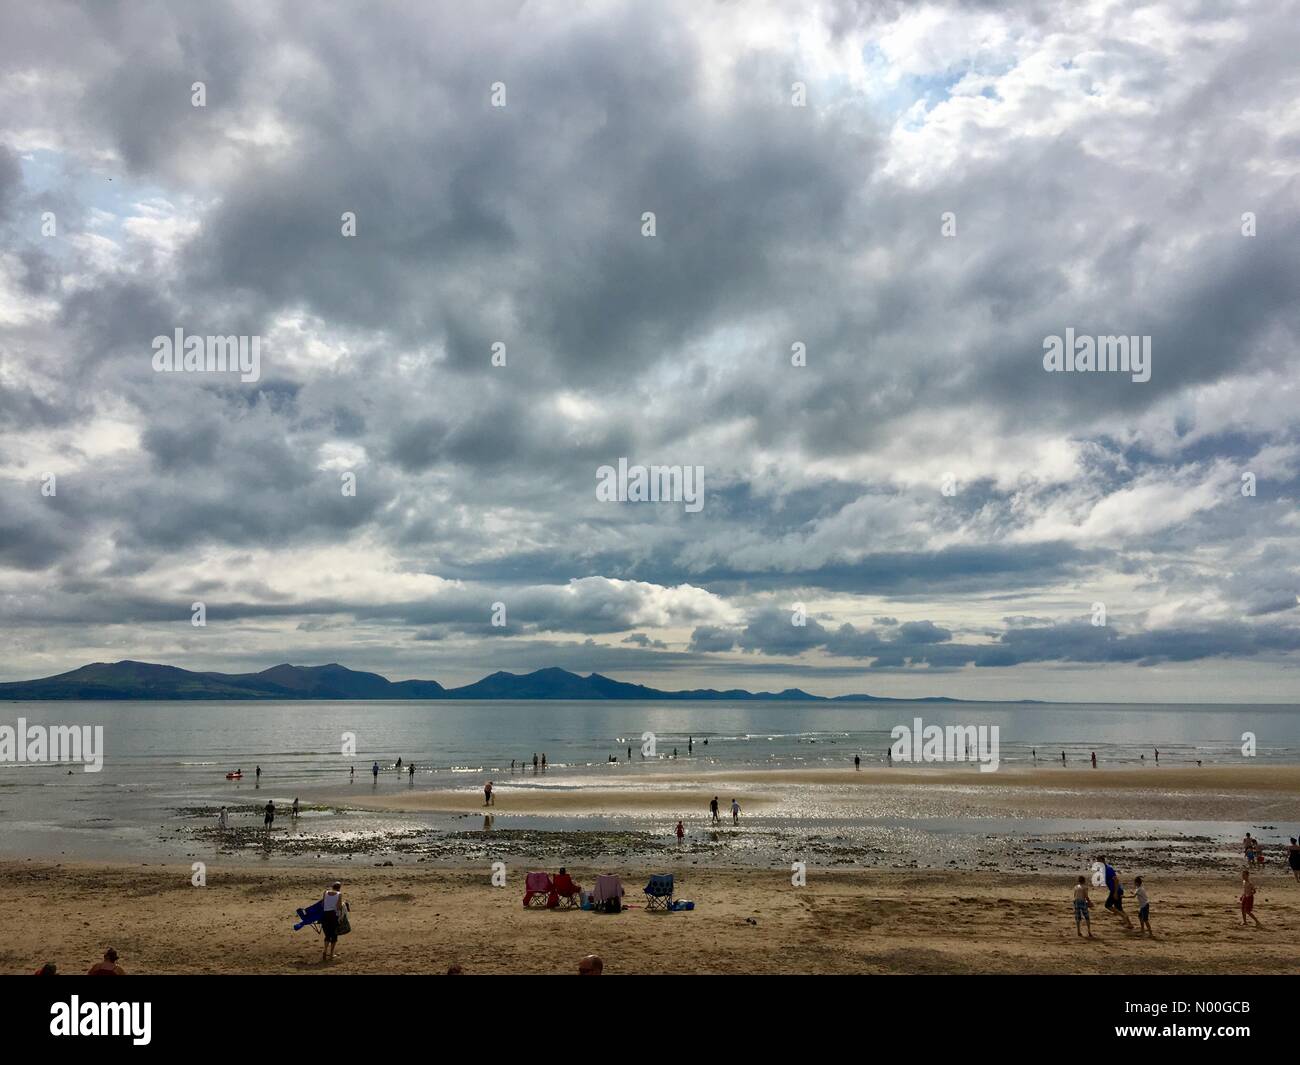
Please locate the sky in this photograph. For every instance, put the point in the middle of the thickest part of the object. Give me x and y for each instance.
(812, 252)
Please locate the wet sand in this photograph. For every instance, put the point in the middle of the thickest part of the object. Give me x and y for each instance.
(1148, 793)
(421, 920)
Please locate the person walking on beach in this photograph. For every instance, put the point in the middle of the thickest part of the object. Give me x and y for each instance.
(1144, 908)
(295, 807)
(681, 833)
(857, 763)
(1081, 905)
(534, 761)
(352, 775)
(268, 816)
(374, 771)
(1094, 759)
(410, 772)
(223, 820)
(1293, 858)
(713, 808)
(1035, 756)
(629, 754)
(1114, 892)
(332, 906)
(1248, 898)
(1157, 750)
(1062, 758)
(889, 756)
(487, 794)
(735, 812)
(399, 763)
(543, 761)
(1254, 854)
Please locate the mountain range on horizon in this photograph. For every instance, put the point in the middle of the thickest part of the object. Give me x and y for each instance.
(145, 680)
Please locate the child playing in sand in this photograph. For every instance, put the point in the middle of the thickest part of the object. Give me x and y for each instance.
(1144, 908)
(1081, 904)
(1248, 899)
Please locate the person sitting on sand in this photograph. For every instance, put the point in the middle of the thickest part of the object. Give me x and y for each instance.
(1293, 858)
(1248, 898)
(332, 904)
(591, 965)
(107, 967)
(1081, 905)
(1144, 907)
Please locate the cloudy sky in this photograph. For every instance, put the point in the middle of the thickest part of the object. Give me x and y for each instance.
(945, 510)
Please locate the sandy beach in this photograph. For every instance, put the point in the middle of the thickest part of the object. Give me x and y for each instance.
(421, 920)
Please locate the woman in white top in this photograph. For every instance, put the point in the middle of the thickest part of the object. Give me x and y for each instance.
(333, 906)
(223, 821)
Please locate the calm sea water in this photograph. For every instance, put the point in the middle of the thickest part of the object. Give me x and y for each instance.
(164, 756)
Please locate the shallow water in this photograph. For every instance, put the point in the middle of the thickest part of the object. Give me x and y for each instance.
(165, 765)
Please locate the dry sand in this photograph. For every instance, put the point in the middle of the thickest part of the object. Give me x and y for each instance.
(422, 920)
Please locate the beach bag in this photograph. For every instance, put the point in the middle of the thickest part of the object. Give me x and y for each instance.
(345, 926)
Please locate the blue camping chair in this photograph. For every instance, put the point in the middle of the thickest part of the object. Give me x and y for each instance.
(659, 892)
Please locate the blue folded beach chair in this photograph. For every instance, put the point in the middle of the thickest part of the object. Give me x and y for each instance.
(659, 892)
(310, 914)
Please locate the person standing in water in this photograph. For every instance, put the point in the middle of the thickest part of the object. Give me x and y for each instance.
(681, 833)
(1062, 758)
(352, 775)
(410, 772)
(1157, 755)
(259, 772)
(374, 771)
(268, 815)
(690, 744)
(735, 812)
(295, 807)
(487, 794)
(534, 761)
(543, 761)
(857, 763)
(1094, 759)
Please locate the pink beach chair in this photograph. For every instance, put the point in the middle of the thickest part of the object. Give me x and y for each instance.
(537, 889)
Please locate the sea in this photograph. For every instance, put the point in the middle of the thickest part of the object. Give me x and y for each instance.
(165, 763)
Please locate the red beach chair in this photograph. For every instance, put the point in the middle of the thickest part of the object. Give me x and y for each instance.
(537, 889)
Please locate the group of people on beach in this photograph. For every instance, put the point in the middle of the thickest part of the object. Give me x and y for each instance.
(1114, 899)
